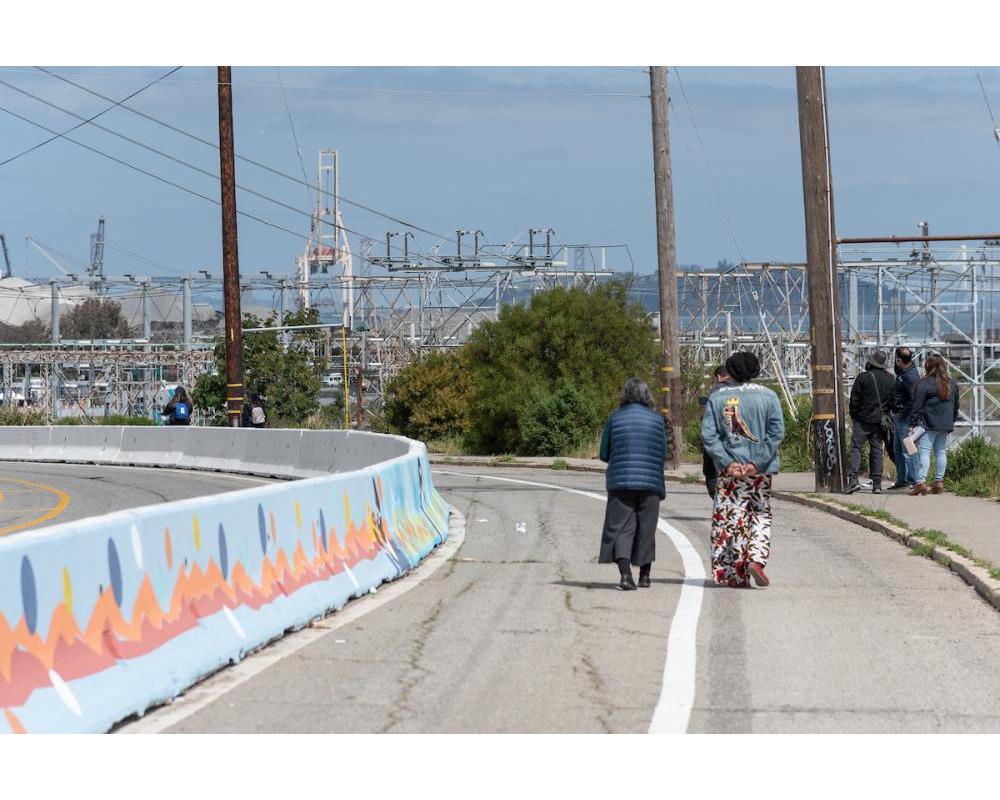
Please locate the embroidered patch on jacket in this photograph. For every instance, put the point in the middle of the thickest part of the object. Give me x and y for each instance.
(734, 422)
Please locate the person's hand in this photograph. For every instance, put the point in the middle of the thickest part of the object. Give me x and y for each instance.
(749, 470)
(735, 470)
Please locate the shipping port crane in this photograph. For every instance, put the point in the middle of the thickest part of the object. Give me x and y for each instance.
(7, 271)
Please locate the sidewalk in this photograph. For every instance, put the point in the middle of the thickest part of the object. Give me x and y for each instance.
(971, 522)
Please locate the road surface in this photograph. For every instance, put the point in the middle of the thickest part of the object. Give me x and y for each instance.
(33, 495)
(521, 630)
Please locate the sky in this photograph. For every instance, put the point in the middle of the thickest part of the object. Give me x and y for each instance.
(498, 149)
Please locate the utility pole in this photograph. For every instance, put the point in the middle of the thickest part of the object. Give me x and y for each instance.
(230, 255)
(824, 294)
(666, 257)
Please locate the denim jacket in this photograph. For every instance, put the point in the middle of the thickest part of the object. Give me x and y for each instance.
(744, 424)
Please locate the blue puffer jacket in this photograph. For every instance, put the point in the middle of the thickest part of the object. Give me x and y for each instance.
(743, 423)
(634, 445)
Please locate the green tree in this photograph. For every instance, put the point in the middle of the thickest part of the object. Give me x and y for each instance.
(429, 399)
(94, 318)
(594, 340)
(287, 378)
(554, 423)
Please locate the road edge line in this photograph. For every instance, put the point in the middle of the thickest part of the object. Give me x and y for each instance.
(672, 713)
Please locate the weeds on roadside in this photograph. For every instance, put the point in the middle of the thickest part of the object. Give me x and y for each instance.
(560, 463)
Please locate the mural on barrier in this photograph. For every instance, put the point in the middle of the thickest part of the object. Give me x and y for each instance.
(101, 618)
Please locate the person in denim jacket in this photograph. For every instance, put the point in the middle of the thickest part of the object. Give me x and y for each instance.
(741, 430)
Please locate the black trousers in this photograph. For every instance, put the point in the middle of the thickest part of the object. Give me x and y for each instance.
(862, 432)
(630, 527)
(710, 473)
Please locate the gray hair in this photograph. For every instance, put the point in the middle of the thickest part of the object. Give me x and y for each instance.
(636, 391)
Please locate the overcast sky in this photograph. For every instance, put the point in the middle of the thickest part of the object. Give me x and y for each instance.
(500, 150)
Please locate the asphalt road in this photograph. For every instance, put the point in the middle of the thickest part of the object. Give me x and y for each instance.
(33, 495)
(522, 631)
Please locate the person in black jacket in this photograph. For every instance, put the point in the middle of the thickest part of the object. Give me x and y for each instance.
(935, 409)
(634, 446)
(907, 376)
(871, 397)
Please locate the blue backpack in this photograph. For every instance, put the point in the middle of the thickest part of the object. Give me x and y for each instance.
(182, 412)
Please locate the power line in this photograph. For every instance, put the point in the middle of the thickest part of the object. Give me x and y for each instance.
(295, 138)
(989, 109)
(114, 104)
(272, 170)
(193, 167)
(376, 89)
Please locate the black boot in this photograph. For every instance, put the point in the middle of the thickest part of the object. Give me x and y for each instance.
(644, 582)
(626, 584)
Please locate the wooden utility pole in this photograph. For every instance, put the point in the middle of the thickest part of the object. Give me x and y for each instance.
(828, 420)
(671, 399)
(230, 255)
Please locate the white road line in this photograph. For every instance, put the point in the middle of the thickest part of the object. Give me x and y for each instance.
(215, 686)
(673, 710)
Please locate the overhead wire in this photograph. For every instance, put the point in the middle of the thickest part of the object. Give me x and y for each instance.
(268, 168)
(295, 137)
(114, 104)
(377, 89)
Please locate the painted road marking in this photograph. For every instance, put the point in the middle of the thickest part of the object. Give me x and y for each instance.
(208, 691)
(50, 513)
(673, 710)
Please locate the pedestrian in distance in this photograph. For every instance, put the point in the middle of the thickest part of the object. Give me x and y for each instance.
(935, 409)
(634, 446)
(870, 408)
(253, 415)
(707, 464)
(178, 408)
(741, 429)
(907, 376)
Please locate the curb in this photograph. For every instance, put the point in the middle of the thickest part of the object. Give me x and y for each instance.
(970, 572)
(460, 461)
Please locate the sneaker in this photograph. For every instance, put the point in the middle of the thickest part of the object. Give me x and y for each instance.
(897, 486)
(627, 583)
(755, 572)
(852, 487)
(876, 489)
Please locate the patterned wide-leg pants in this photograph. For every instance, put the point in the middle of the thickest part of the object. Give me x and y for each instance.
(741, 527)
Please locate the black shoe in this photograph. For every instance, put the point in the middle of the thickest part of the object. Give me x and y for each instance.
(897, 486)
(644, 582)
(626, 584)
(852, 488)
(877, 489)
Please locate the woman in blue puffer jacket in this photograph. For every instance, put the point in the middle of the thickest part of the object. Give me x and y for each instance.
(634, 445)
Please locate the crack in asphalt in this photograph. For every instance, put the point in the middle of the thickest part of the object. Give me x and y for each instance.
(409, 680)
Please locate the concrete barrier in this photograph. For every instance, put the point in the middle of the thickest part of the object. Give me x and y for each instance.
(87, 445)
(278, 453)
(102, 618)
(17, 443)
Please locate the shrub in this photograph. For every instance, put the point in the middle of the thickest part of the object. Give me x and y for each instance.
(594, 339)
(974, 468)
(22, 416)
(429, 399)
(553, 423)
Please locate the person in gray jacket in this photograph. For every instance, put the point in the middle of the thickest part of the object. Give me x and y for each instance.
(871, 401)
(741, 430)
